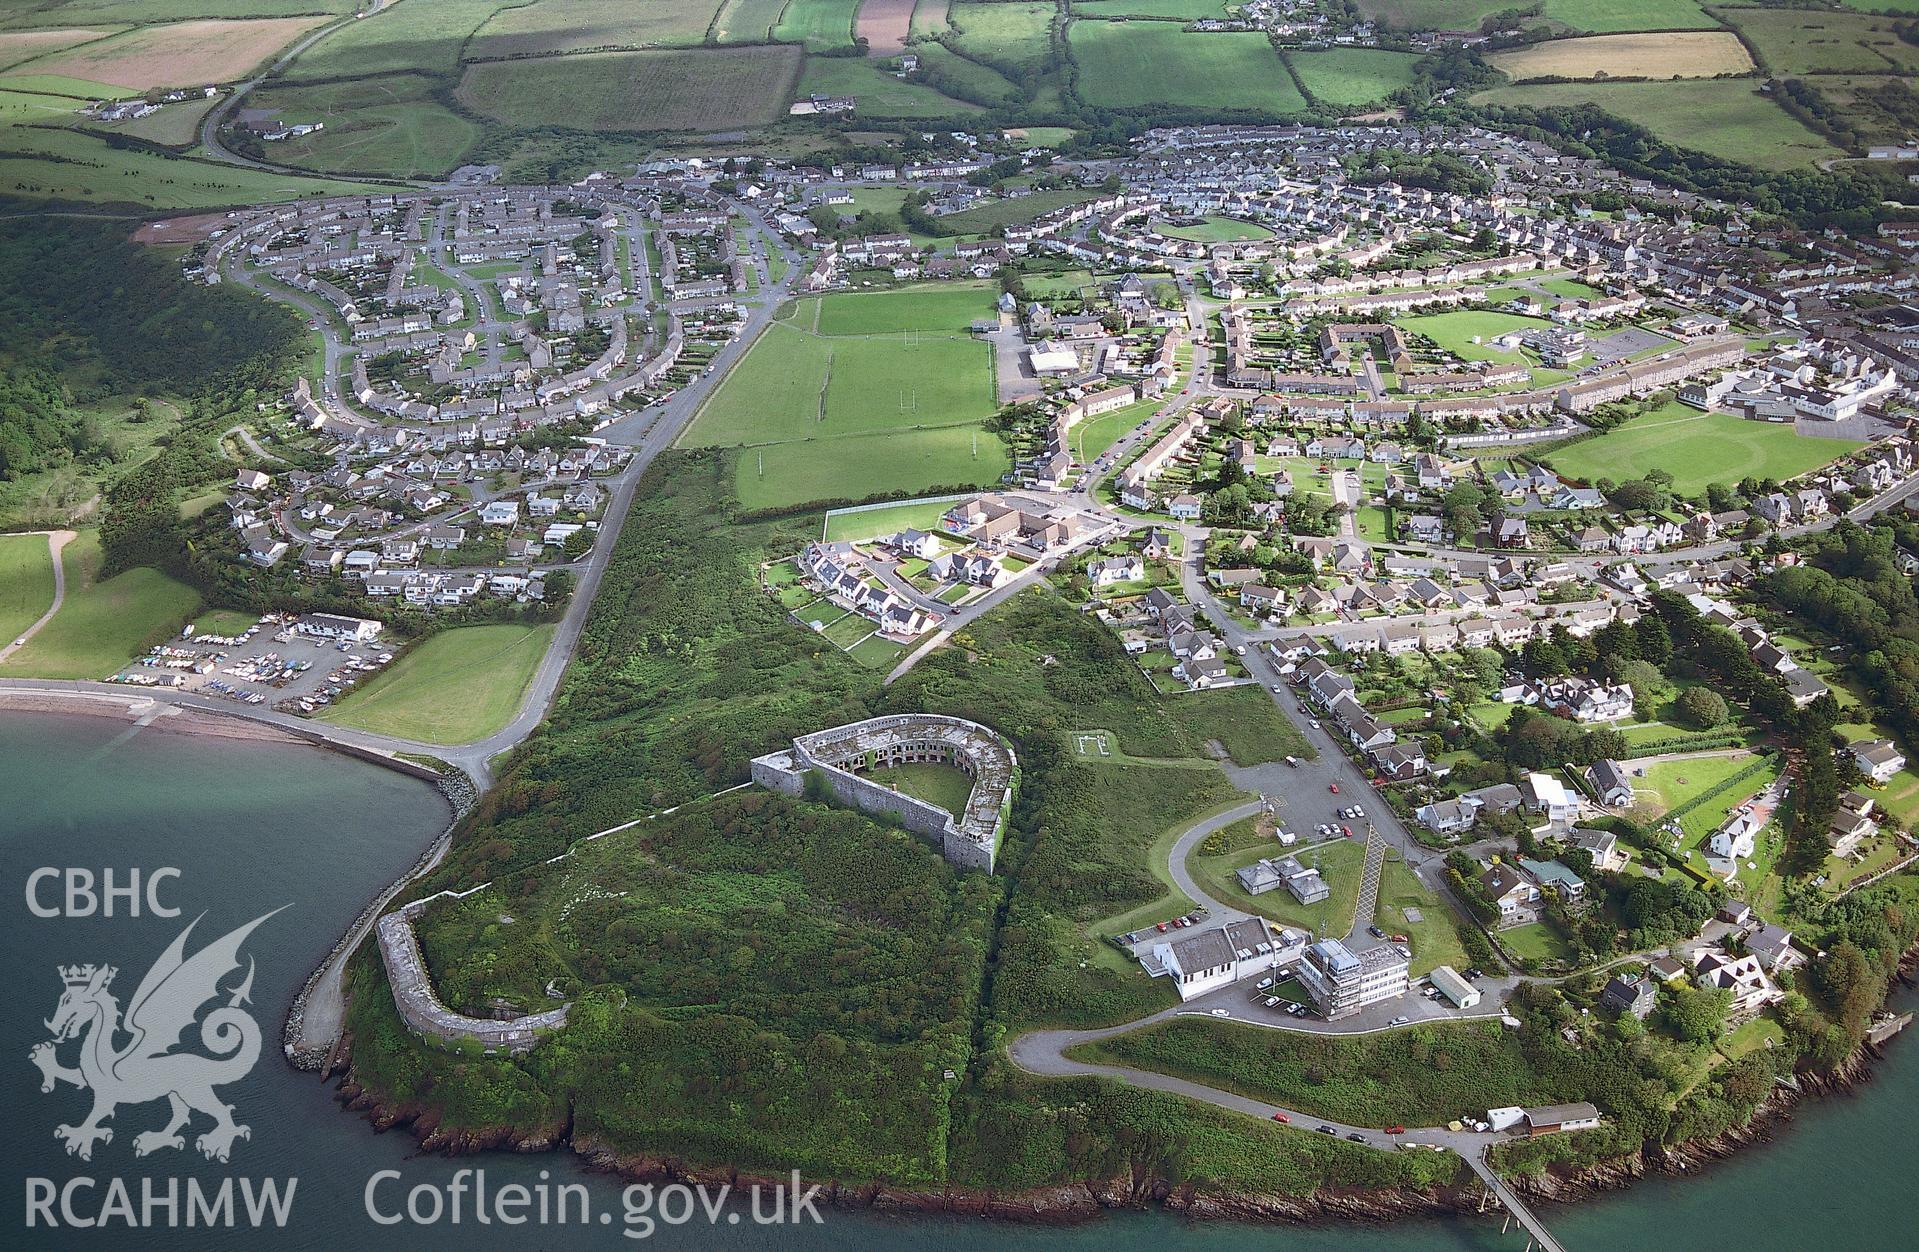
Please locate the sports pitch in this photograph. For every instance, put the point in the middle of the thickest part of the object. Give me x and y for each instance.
(854, 395)
(1696, 449)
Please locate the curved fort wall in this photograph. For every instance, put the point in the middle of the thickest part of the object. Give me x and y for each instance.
(421, 1009)
(838, 756)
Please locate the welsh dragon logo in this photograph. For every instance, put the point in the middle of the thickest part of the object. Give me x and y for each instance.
(146, 1067)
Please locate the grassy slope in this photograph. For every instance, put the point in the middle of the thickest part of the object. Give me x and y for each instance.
(103, 625)
(26, 582)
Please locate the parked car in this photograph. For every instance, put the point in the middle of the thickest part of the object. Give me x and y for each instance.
(1395, 1130)
(1375, 932)
(1281, 1117)
(1332, 787)
(1221, 1013)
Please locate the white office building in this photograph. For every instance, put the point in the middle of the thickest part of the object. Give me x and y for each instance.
(1342, 982)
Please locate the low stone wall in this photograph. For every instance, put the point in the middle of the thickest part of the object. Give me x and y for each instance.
(421, 1009)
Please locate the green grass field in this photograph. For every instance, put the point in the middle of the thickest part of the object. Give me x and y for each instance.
(946, 308)
(747, 21)
(388, 126)
(790, 474)
(26, 583)
(1008, 34)
(1127, 64)
(1179, 10)
(1590, 16)
(40, 162)
(1096, 434)
(1015, 211)
(1697, 448)
(1801, 41)
(881, 407)
(1456, 331)
(36, 13)
(175, 126)
(1720, 117)
(887, 520)
(549, 26)
(103, 625)
(425, 38)
(1669, 784)
(879, 93)
(1339, 862)
(678, 89)
(819, 24)
(1535, 941)
(1354, 75)
(1215, 230)
(454, 687)
(936, 784)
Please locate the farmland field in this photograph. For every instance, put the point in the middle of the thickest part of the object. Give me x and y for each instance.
(103, 625)
(880, 94)
(884, 25)
(33, 13)
(686, 89)
(387, 126)
(1009, 34)
(179, 54)
(1720, 117)
(549, 26)
(1592, 16)
(406, 36)
(454, 687)
(1181, 10)
(1697, 448)
(45, 162)
(819, 24)
(175, 126)
(1669, 54)
(1801, 41)
(886, 520)
(747, 21)
(1126, 64)
(1354, 75)
(24, 45)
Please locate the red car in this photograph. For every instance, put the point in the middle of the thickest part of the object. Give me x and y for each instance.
(1395, 1130)
(1347, 831)
(1161, 928)
(1333, 787)
(1281, 1117)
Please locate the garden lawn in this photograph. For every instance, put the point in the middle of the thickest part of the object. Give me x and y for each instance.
(1339, 863)
(1669, 784)
(1696, 449)
(103, 624)
(457, 686)
(1535, 941)
(26, 583)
